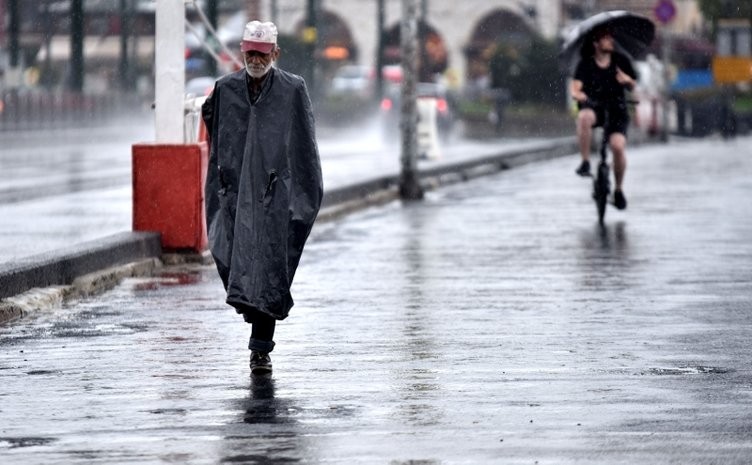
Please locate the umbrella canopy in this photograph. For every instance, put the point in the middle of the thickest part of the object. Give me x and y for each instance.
(632, 35)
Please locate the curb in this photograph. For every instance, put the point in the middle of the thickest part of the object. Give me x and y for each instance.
(46, 279)
(50, 279)
(42, 298)
(343, 200)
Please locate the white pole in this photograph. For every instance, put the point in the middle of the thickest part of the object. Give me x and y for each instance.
(170, 71)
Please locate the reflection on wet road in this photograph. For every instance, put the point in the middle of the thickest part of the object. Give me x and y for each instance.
(494, 322)
(62, 188)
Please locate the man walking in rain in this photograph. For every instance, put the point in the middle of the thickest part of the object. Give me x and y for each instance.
(599, 82)
(263, 186)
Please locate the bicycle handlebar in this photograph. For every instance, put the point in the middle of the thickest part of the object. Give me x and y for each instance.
(597, 103)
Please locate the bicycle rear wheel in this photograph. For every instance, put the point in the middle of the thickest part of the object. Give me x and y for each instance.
(601, 190)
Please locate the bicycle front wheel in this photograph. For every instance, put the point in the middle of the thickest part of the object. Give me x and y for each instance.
(601, 190)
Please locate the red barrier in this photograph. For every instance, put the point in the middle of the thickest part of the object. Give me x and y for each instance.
(168, 193)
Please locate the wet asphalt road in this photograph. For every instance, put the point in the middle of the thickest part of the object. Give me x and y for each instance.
(494, 322)
(60, 188)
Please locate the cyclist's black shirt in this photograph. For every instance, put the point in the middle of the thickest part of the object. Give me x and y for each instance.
(600, 84)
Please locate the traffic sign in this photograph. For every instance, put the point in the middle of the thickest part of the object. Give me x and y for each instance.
(665, 11)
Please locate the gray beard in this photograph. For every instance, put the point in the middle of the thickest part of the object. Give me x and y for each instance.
(257, 73)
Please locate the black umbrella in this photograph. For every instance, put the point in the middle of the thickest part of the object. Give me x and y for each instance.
(632, 35)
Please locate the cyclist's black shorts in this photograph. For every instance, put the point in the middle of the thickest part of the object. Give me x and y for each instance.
(618, 117)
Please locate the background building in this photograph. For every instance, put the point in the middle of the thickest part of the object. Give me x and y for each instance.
(455, 32)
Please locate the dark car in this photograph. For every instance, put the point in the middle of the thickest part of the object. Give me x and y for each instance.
(437, 93)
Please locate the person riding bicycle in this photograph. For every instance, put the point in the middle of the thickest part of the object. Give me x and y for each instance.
(598, 84)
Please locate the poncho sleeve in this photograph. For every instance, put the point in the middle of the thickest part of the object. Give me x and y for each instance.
(212, 176)
(305, 170)
(207, 113)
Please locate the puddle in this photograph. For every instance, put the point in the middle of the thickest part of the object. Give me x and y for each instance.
(12, 443)
(687, 370)
(44, 372)
(169, 411)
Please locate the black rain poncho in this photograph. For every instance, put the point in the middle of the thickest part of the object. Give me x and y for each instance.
(263, 187)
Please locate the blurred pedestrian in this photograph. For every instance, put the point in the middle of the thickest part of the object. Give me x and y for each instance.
(599, 82)
(263, 186)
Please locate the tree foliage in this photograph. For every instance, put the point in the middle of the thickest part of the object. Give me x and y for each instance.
(531, 74)
(714, 10)
(295, 55)
(718, 9)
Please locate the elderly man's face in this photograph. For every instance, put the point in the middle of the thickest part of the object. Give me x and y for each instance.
(257, 63)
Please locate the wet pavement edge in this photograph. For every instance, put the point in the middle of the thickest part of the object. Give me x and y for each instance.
(47, 280)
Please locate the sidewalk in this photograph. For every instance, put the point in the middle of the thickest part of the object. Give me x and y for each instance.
(492, 323)
(69, 196)
(71, 190)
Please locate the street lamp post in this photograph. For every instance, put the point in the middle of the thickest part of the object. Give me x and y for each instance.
(254, 10)
(311, 37)
(409, 188)
(422, 31)
(13, 78)
(379, 50)
(76, 78)
(275, 11)
(125, 27)
(211, 14)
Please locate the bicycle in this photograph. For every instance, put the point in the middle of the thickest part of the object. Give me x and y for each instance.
(602, 182)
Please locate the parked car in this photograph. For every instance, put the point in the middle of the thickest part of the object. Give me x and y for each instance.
(437, 93)
(360, 80)
(200, 86)
(352, 80)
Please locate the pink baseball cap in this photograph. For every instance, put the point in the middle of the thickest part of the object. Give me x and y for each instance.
(258, 36)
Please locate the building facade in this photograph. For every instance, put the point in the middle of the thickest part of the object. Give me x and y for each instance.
(460, 28)
(459, 36)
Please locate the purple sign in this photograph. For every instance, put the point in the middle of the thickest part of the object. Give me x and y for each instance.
(665, 11)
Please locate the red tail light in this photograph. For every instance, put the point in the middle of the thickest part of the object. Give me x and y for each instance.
(386, 104)
(441, 105)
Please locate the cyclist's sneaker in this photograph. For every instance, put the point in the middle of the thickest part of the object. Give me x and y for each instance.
(620, 201)
(584, 168)
(261, 363)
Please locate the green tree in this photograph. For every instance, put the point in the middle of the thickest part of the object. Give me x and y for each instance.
(294, 56)
(713, 10)
(531, 74)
